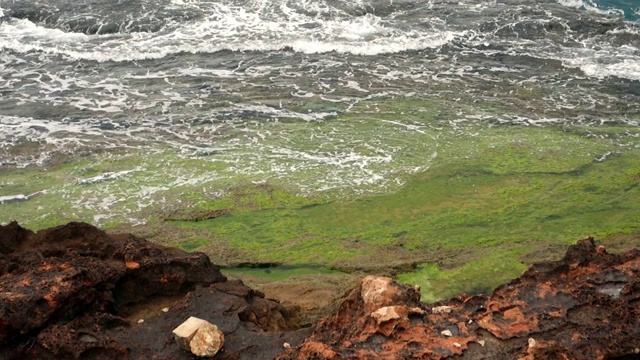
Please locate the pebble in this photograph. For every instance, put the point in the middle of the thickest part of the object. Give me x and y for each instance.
(286, 345)
(441, 310)
(481, 342)
(446, 333)
(140, 321)
(532, 342)
(165, 310)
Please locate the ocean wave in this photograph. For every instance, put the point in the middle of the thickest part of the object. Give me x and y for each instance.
(365, 28)
(231, 29)
(99, 18)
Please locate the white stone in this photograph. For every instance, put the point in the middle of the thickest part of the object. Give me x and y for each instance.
(286, 345)
(532, 342)
(385, 314)
(446, 333)
(185, 332)
(165, 310)
(207, 341)
(441, 310)
(481, 342)
(416, 310)
(140, 321)
(374, 288)
(457, 344)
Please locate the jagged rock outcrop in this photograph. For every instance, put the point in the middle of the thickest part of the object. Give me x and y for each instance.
(586, 306)
(74, 291)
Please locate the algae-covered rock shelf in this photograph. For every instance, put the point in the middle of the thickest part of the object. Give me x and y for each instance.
(465, 196)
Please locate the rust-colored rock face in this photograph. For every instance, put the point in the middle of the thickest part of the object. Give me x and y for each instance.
(586, 306)
(75, 292)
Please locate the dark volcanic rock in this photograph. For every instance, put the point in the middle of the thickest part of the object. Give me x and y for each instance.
(586, 306)
(76, 292)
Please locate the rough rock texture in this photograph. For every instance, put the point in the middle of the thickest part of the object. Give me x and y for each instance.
(76, 292)
(207, 341)
(586, 306)
(186, 331)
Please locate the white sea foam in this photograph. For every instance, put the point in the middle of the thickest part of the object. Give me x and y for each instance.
(20, 31)
(604, 61)
(628, 68)
(106, 177)
(259, 26)
(590, 6)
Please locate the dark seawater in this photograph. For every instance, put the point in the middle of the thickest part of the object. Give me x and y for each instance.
(85, 75)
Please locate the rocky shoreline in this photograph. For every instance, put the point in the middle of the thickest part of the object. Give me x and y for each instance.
(74, 291)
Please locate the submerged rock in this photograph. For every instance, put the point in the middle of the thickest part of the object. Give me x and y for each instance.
(584, 306)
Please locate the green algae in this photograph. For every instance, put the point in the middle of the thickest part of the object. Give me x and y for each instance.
(538, 186)
(277, 273)
(461, 201)
(450, 206)
(478, 276)
(191, 245)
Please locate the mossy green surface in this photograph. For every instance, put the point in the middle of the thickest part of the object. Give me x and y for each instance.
(477, 276)
(278, 272)
(534, 187)
(390, 184)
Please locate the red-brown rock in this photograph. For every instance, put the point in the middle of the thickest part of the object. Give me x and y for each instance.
(74, 292)
(586, 306)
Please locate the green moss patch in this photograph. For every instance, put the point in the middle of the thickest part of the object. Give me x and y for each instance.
(277, 273)
(454, 190)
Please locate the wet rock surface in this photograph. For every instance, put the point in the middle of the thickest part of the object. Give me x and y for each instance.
(585, 306)
(76, 292)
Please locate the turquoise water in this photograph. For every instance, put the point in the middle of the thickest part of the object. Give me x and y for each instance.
(630, 8)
